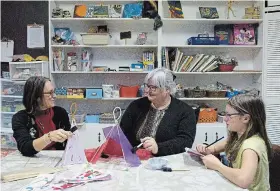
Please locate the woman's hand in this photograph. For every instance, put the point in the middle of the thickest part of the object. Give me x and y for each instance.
(59, 135)
(150, 144)
(211, 162)
(201, 148)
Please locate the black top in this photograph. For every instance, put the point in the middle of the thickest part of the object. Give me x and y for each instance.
(26, 130)
(176, 130)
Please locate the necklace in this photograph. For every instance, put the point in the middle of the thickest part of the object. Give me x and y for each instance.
(41, 124)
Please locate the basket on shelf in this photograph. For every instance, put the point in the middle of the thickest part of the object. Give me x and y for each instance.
(128, 91)
(226, 67)
(195, 92)
(95, 38)
(207, 115)
(107, 118)
(216, 93)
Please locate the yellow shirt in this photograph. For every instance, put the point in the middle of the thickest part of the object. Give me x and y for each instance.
(261, 180)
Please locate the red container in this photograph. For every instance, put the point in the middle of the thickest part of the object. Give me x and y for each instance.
(226, 67)
(129, 91)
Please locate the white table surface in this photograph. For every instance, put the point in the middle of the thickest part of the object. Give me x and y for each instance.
(138, 178)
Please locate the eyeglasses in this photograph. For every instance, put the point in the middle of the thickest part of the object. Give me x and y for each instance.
(150, 87)
(50, 93)
(228, 115)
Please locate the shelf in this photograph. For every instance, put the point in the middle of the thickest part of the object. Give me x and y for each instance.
(95, 72)
(220, 73)
(32, 62)
(11, 96)
(6, 80)
(6, 130)
(125, 99)
(104, 46)
(103, 19)
(210, 21)
(214, 46)
(10, 113)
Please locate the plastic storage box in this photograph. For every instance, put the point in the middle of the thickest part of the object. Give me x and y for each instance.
(23, 70)
(95, 38)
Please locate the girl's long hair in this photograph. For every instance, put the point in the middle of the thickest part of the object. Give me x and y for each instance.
(254, 106)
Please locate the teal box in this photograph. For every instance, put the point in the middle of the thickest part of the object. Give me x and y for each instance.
(92, 119)
(95, 93)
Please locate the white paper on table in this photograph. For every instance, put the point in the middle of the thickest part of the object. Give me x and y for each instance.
(7, 50)
(35, 36)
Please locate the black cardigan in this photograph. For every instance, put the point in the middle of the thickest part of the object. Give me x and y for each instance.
(176, 130)
(22, 123)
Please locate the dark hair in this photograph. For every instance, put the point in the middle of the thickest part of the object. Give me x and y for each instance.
(254, 106)
(33, 89)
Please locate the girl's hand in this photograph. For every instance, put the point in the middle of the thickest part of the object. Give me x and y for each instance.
(211, 162)
(201, 148)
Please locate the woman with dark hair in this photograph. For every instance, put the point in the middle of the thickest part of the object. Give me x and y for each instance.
(247, 147)
(41, 125)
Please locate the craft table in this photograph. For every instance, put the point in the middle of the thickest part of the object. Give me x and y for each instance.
(139, 178)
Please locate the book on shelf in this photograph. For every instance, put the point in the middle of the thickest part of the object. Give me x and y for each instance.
(175, 9)
(176, 61)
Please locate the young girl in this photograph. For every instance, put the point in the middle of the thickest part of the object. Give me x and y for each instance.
(247, 147)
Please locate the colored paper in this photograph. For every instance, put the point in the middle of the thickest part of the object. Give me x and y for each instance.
(74, 153)
(116, 145)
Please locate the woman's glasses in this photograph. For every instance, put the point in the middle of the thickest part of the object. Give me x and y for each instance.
(150, 87)
(50, 93)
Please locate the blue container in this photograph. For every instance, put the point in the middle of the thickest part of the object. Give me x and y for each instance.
(203, 41)
(95, 93)
(230, 94)
(92, 119)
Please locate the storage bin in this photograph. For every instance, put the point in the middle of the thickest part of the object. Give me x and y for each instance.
(75, 93)
(78, 118)
(203, 40)
(195, 92)
(107, 118)
(92, 119)
(217, 93)
(226, 67)
(207, 115)
(95, 38)
(23, 70)
(129, 91)
(95, 93)
(8, 141)
(12, 89)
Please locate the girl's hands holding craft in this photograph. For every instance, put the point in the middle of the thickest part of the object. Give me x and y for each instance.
(203, 149)
(59, 135)
(211, 162)
(150, 144)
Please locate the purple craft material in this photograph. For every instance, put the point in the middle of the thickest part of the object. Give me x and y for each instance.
(116, 133)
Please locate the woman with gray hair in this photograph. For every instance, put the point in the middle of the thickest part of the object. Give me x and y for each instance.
(164, 124)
